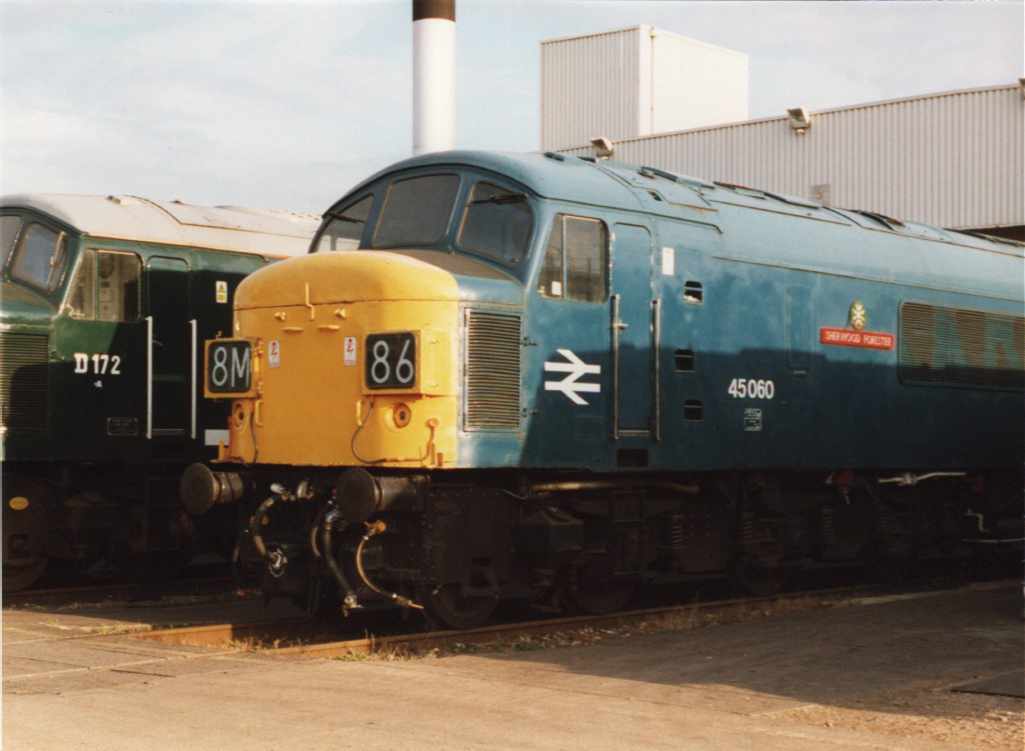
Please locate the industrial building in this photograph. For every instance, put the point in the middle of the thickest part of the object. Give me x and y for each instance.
(954, 159)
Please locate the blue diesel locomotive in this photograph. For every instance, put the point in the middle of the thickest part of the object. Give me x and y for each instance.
(552, 378)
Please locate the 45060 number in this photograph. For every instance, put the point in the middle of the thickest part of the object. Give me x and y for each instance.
(751, 388)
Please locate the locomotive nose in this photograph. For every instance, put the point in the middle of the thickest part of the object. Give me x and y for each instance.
(339, 277)
(353, 358)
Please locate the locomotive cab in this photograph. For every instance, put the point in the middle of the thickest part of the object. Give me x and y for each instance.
(36, 255)
(363, 334)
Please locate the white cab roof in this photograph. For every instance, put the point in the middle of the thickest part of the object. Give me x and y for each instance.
(267, 232)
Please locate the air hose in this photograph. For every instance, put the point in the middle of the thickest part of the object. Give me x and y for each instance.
(255, 525)
(373, 529)
(315, 532)
(349, 600)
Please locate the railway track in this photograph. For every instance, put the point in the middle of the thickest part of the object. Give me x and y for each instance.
(301, 638)
(117, 591)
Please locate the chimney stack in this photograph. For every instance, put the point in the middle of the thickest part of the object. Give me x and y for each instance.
(434, 75)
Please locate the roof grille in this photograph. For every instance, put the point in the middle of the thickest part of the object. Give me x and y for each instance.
(23, 381)
(492, 371)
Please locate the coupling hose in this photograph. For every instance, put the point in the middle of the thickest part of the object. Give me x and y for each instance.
(373, 529)
(349, 599)
(255, 525)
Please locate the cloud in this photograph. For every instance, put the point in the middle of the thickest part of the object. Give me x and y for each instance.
(251, 91)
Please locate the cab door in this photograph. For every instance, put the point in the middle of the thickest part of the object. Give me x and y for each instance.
(99, 385)
(634, 334)
(167, 306)
(568, 336)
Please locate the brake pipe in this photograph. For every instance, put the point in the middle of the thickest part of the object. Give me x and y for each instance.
(373, 529)
(543, 488)
(907, 479)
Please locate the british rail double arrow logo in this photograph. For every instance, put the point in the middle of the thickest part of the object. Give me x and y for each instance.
(575, 369)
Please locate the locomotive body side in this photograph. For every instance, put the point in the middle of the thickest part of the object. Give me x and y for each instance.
(105, 303)
(538, 377)
(735, 372)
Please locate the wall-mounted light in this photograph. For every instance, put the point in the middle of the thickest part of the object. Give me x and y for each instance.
(800, 120)
(603, 147)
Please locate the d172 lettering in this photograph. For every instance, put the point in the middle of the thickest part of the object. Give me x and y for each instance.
(99, 363)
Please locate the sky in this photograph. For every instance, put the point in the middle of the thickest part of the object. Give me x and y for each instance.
(290, 104)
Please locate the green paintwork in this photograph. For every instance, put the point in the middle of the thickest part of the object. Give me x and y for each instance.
(178, 285)
(23, 306)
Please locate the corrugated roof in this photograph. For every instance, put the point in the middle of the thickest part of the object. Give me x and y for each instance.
(812, 113)
(267, 232)
(951, 158)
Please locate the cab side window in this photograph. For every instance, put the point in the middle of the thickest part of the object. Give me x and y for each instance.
(576, 261)
(107, 287)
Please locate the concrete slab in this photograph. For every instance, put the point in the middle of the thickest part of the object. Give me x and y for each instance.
(873, 677)
(386, 706)
(32, 623)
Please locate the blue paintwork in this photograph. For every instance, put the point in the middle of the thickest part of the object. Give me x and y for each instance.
(632, 282)
(774, 271)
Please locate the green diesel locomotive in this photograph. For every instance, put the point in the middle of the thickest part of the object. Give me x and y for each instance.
(105, 304)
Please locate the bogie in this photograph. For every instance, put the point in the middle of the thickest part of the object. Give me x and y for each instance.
(459, 550)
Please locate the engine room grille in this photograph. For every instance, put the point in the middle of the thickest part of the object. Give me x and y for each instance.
(492, 371)
(23, 381)
(961, 347)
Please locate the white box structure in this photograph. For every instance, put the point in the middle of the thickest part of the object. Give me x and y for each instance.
(634, 82)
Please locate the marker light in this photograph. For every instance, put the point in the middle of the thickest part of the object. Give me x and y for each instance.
(401, 415)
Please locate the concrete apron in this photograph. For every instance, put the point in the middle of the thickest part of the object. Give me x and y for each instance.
(741, 686)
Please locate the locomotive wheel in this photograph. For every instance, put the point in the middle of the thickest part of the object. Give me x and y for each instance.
(592, 589)
(758, 578)
(23, 575)
(451, 608)
(24, 533)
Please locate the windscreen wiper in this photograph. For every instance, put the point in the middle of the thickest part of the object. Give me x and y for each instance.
(511, 198)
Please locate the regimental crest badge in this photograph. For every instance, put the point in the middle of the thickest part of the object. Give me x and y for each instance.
(855, 333)
(857, 316)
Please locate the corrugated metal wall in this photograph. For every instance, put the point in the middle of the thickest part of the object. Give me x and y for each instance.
(954, 159)
(629, 82)
(591, 87)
